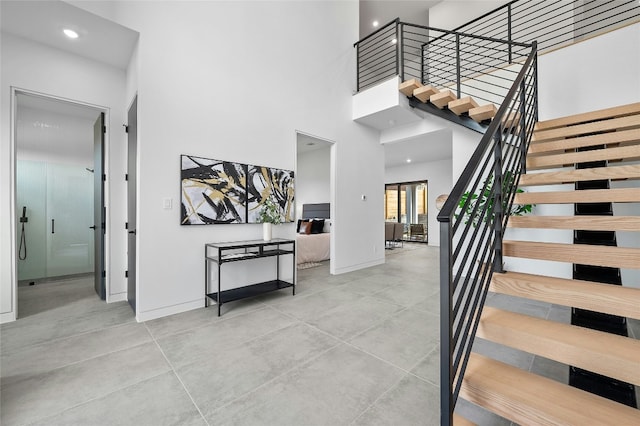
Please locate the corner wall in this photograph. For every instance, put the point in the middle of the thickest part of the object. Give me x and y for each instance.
(233, 81)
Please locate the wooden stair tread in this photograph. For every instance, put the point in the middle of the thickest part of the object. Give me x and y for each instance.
(613, 124)
(443, 98)
(424, 93)
(407, 87)
(511, 120)
(618, 195)
(590, 116)
(583, 223)
(458, 420)
(528, 399)
(584, 254)
(556, 160)
(482, 113)
(592, 296)
(462, 105)
(623, 136)
(581, 175)
(600, 352)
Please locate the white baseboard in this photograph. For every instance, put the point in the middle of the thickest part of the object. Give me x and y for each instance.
(118, 297)
(169, 310)
(7, 317)
(352, 268)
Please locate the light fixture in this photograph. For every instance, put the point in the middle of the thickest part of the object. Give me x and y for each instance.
(394, 41)
(375, 24)
(70, 33)
(408, 160)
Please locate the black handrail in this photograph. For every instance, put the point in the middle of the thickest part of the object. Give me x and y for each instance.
(471, 229)
(362, 40)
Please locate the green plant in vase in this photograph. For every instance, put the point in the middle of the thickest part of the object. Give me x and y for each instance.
(484, 200)
(269, 215)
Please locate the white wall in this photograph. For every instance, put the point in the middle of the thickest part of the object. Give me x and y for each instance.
(450, 14)
(597, 73)
(38, 68)
(233, 80)
(438, 175)
(313, 178)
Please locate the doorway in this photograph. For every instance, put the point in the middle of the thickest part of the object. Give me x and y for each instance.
(59, 194)
(315, 191)
(406, 203)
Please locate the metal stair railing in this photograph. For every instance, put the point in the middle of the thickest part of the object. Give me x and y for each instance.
(472, 223)
(466, 64)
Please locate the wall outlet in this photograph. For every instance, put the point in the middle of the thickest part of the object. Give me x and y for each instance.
(167, 203)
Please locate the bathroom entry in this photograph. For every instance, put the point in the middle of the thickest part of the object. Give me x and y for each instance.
(59, 159)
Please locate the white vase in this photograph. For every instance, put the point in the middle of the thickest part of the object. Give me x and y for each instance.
(266, 231)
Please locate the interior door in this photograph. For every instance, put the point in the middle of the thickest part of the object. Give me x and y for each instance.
(132, 156)
(99, 221)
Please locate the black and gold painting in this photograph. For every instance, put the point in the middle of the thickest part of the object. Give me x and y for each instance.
(213, 191)
(265, 183)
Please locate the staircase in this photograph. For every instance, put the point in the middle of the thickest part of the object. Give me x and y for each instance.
(446, 99)
(608, 142)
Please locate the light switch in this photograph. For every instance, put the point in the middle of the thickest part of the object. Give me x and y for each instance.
(167, 203)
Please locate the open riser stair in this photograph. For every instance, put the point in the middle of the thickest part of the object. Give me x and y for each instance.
(589, 151)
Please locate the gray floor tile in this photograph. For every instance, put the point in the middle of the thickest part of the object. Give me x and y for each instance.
(43, 328)
(57, 390)
(166, 326)
(403, 340)
(550, 369)
(373, 284)
(192, 345)
(411, 402)
(405, 293)
(350, 319)
(479, 415)
(236, 370)
(519, 305)
(332, 389)
(504, 354)
(429, 367)
(318, 304)
(38, 359)
(159, 401)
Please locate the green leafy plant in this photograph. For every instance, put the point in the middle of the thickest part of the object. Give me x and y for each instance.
(484, 200)
(270, 212)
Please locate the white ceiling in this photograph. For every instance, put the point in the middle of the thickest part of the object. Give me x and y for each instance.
(53, 129)
(433, 146)
(43, 21)
(384, 11)
(307, 143)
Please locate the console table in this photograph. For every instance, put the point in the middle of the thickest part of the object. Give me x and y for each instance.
(238, 251)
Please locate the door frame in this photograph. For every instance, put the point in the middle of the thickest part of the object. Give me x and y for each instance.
(13, 151)
(333, 146)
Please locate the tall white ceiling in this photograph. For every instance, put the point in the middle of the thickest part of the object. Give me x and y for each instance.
(384, 11)
(43, 21)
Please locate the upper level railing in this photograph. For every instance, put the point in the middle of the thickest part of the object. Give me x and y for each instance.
(472, 223)
(490, 47)
(554, 24)
(469, 65)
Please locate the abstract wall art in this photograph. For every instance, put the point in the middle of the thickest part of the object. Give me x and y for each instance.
(264, 183)
(216, 192)
(213, 191)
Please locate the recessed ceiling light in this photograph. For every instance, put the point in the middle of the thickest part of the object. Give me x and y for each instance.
(408, 160)
(394, 41)
(375, 23)
(70, 33)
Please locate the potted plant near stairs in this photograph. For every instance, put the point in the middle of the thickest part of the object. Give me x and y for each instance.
(269, 215)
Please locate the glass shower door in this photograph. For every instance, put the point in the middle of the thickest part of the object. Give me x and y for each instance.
(70, 214)
(59, 201)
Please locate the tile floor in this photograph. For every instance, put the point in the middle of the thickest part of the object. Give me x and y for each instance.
(353, 349)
